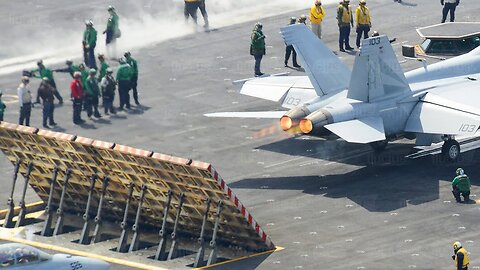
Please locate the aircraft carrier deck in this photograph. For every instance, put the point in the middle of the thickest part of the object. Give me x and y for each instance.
(330, 204)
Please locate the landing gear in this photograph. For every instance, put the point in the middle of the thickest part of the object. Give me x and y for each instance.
(379, 146)
(451, 150)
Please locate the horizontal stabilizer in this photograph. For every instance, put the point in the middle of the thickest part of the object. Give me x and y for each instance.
(262, 115)
(242, 81)
(363, 130)
(289, 91)
(326, 72)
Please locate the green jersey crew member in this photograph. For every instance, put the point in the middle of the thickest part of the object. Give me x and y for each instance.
(133, 82)
(460, 256)
(112, 32)
(461, 186)
(89, 43)
(257, 47)
(124, 77)
(92, 92)
(103, 67)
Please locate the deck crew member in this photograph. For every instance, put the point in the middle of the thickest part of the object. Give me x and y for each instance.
(46, 92)
(345, 19)
(25, 102)
(317, 13)
(460, 256)
(449, 6)
(289, 50)
(78, 95)
(363, 20)
(461, 186)
(257, 47)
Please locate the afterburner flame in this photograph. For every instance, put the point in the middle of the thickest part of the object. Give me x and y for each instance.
(306, 126)
(286, 122)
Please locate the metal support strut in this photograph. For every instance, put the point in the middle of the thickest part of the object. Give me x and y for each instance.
(174, 246)
(136, 234)
(160, 255)
(8, 223)
(23, 208)
(213, 244)
(47, 226)
(97, 235)
(201, 240)
(122, 244)
(86, 217)
(60, 215)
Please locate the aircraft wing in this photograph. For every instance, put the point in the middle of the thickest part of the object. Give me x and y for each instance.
(366, 130)
(326, 72)
(452, 110)
(289, 91)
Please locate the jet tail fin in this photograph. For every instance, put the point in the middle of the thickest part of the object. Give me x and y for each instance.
(326, 72)
(376, 73)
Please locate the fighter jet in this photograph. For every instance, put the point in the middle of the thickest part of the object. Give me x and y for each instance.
(19, 256)
(375, 102)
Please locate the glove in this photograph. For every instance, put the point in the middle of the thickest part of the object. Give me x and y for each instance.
(104, 32)
(441, 2)
(453, 257)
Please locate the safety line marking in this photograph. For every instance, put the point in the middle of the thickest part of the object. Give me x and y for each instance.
(242, 258)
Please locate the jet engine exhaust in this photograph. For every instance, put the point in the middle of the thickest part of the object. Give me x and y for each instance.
(292, 118)
(315, 123)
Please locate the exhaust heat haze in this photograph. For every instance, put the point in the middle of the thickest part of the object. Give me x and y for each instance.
(30, 34)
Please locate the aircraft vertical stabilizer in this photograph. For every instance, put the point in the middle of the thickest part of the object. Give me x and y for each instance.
(376, 73)
(326, 72)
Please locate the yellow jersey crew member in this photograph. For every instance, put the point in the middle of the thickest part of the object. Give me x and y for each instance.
(345, 19)
(460, 256)
(364, 21)
(317, 13)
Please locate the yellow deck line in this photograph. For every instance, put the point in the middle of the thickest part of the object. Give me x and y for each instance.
(242, 258)
(81, 253)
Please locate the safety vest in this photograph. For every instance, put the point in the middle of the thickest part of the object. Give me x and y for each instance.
(316, 15)
(466, 260)
(362, 16)
(346, 14)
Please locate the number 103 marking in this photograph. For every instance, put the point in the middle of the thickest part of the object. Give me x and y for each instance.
(467, 128)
